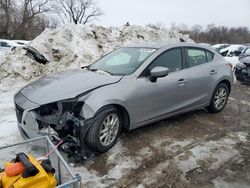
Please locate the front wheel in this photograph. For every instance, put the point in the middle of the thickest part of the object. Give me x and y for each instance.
(104, 132)
(219, 98)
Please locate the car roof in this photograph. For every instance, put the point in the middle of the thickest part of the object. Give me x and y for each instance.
(166, 45)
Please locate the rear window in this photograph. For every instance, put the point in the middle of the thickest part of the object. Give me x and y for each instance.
(195, 56)
(210, 56)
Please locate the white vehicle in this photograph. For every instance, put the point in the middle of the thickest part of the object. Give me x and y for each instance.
(8, 44)
(232, 50)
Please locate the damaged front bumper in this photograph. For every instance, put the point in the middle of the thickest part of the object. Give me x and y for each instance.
(59, 121)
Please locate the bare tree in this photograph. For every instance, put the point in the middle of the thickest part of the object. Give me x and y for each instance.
(196, 30)
(23, 19)
(79, 11)
(30, 15)
(5, 13)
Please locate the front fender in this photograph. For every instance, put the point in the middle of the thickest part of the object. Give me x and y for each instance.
(92, 106)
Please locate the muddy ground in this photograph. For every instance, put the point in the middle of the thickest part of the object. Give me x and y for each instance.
(197, 149)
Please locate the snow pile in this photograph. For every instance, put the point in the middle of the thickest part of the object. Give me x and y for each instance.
(72, 46)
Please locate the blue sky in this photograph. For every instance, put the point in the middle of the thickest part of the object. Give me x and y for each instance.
(140, 12)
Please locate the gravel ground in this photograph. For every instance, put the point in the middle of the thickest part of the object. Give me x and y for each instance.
(197, 149)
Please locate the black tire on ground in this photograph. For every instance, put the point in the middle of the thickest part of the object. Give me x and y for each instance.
(93, 135)
(212, 107)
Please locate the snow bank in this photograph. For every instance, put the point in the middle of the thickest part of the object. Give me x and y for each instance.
(72, 46)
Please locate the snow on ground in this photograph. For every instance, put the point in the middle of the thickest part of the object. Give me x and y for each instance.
(8, 124)
(2, 53)
(72, 46)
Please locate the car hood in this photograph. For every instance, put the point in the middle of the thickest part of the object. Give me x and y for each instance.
(66, 85)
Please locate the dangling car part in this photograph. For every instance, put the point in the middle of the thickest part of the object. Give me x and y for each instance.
(34, 54)
(242, 70)
(126, 89)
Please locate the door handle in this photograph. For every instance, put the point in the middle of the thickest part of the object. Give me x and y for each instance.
(213, 72)
(181, 81)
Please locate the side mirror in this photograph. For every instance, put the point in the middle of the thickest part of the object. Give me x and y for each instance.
(158, 72)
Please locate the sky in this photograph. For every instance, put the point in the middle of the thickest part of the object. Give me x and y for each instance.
(232, 13)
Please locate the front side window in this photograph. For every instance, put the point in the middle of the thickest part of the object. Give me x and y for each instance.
(170, 59)
(195, 56)
(123, 61)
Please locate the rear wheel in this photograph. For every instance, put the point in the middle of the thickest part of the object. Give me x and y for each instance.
(219, 98)
(104, 133)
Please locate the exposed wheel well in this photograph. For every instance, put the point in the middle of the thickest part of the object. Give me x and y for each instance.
(227, 83)
(124, 114)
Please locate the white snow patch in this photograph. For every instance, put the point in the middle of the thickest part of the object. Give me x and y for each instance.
(8, 125)
(122, 161)
(145, 152)
(242, 136)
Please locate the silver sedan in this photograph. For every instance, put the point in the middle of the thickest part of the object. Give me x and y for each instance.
(128, 88)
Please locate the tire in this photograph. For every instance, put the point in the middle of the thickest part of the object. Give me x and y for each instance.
(219, 98)
(94, 138)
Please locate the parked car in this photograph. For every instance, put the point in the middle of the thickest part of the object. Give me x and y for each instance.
(128, 88)
(7, 45)
(245, 53)
(232, 50)
(242, 70)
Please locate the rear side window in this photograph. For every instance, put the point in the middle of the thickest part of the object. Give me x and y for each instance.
(195, 56)
(210, 56)
(170, 59)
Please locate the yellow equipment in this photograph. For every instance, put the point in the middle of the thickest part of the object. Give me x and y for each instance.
(34, 175)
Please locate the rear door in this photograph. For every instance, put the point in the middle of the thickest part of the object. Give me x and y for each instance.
(201, 73)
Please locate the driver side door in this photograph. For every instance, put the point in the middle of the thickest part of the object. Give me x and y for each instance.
(155, 100)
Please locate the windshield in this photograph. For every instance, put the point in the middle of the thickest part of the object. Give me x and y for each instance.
(123, 61)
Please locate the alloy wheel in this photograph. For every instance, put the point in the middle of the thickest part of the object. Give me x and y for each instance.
(109, 129)
(220, 98)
